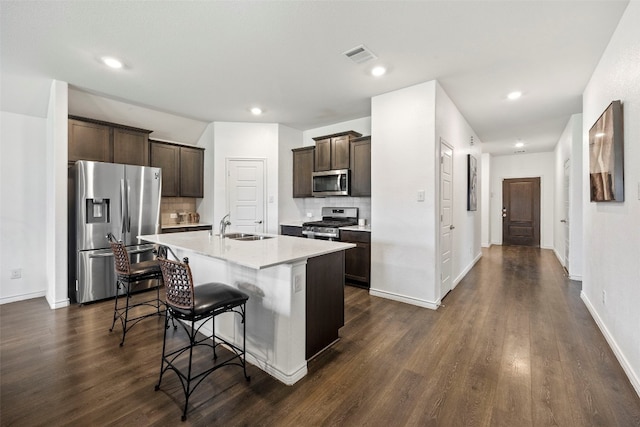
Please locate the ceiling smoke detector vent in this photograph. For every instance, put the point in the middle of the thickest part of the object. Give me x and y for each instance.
(360, 54)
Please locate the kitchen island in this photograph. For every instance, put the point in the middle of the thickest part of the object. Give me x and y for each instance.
(295, 288)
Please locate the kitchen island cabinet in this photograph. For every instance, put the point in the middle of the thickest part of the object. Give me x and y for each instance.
(292, 312)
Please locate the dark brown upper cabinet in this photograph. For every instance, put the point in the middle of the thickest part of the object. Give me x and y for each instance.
(182, 169)
(89, 141)
(100, 141)
(191, 172)
(303, 159)
(361, 166)
(332, 151)
(167, 157)
(130, 147)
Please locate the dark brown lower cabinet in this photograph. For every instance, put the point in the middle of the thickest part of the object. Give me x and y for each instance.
(291, 230)
(324, 301)
(358, 259)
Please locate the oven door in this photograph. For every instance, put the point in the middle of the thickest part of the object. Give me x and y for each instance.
(310, 234)
(331, 183)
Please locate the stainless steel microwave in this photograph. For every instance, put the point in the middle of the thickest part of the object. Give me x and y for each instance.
(331, 183)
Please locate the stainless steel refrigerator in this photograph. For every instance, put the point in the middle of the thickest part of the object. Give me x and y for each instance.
(108, 198)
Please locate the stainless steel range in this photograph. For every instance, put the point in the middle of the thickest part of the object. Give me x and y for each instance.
(332, 220)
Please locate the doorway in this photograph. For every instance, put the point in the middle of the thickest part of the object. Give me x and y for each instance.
(565, 221)
(521, 211)
(246, 194)
(446, 216)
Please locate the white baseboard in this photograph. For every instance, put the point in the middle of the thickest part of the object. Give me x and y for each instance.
(633, 376)
(22, 297)
(560, 258)
(433, 305)
(288, 379)
(577, 277)
(466, 270)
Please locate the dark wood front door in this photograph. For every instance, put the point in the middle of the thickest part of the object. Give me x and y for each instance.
(521, 211)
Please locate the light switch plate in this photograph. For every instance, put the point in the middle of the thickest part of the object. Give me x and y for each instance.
(421, 195)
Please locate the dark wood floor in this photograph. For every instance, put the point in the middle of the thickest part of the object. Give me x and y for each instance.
(513, 345)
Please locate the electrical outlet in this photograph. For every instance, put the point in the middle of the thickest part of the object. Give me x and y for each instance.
(309, 215)
(297, 283)
(421, 195)
(16, 273)
(173, 216)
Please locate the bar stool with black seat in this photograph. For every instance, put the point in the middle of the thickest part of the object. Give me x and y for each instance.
(191, 304)
(127, 275)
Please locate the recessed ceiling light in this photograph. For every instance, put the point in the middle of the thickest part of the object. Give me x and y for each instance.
(514, 95)
(256, 111)
(519, 144)
(378, 71)
(112, 62)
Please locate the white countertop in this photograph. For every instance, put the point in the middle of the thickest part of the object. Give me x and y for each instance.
(365, 228)
(255, 254)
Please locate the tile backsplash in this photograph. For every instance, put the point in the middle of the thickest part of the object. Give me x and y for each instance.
(314, 205)
(172, 205)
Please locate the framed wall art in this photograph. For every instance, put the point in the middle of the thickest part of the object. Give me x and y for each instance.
(606, 156)
(472, 183)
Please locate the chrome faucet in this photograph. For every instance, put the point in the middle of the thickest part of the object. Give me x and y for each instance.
(224, 222)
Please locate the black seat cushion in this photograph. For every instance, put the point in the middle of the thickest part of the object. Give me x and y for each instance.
(144, 269)
(209, 297)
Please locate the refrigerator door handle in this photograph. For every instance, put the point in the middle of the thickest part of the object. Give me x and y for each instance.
(123, 208)
(128, 212)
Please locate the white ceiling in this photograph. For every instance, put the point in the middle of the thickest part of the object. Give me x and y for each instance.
(213, 60)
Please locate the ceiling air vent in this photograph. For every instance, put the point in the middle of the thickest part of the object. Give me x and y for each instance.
(360, 54)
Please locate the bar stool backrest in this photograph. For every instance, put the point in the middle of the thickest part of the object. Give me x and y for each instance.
(121, 257)
(178, 283)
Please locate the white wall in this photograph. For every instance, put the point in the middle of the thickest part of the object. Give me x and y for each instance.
(406, 129)
(204, 206)
(246, 141)
(403, 251)
(452, 127)
(612, 230)
(23, 206)
(524, 166)
(569, 147)
(485, 200)
(57, 175)
(289, 139)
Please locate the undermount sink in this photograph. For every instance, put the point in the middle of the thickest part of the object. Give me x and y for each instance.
(245, 236)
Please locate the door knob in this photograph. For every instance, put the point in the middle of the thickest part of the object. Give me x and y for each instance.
(451, 227)
(258, 222)
(563, 220)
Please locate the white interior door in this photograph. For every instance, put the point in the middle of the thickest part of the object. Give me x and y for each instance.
(446, 216)
(246, 195)
(567, 175)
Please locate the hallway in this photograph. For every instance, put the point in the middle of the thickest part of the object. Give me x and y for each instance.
(513, 345)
